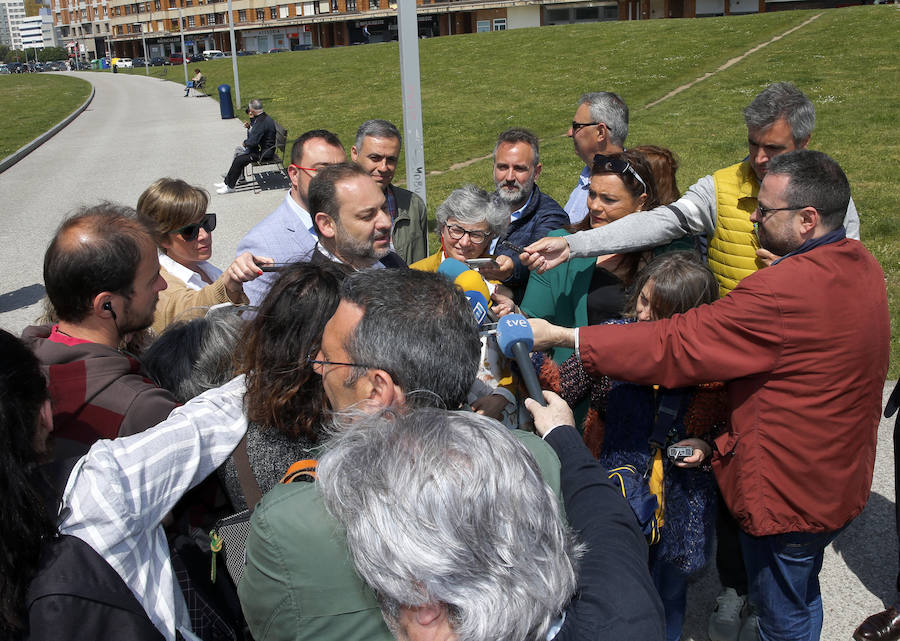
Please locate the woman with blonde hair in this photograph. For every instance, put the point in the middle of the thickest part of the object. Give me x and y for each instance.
(176, 213)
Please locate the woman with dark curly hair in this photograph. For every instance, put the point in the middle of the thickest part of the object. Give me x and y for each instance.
(284, 399)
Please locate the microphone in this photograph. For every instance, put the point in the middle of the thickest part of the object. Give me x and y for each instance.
(515, 338)
(476, 291)
(451, 268)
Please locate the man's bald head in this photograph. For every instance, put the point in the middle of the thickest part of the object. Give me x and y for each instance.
(98, 249)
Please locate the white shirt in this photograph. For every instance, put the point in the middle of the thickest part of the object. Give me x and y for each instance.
(189, 277)
(119, 492)
(576, 207)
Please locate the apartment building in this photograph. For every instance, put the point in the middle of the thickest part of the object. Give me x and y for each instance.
(83, 24)
(12, 12)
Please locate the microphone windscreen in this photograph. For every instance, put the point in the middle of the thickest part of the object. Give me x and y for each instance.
(511, 329)
(451, 268)
(472, 281)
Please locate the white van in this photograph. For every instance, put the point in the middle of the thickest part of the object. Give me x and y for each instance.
(210, 54)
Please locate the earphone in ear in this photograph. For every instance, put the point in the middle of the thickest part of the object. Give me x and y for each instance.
(108, 307)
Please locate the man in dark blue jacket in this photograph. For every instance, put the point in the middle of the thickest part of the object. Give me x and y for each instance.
(260, 145)
(532, 214)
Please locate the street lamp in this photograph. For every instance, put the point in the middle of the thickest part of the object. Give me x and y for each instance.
(144, 41)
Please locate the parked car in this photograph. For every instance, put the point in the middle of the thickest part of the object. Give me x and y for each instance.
(176, 59)
(196, 57)
(158, 61)
(246, 53)
(211, 54)
(276, 50)
(123, 63)
(4, 70)
(138, 62)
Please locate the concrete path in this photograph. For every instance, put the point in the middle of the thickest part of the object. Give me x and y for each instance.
(139, 129)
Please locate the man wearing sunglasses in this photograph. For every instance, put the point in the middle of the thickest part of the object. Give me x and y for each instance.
(288, 235)
(259, 145)
(102, 277)
(600, 126)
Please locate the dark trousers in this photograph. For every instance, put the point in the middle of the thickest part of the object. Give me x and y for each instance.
(237, 168)
(729, 558)
(889, 410)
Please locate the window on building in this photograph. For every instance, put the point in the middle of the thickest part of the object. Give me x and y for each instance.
(156, 5)
(587, 13)
(210, 18)
(483, 25)
(260, 15)
(557, 15)
(283, 11)
(324, 7)
(127, 9)
(242, 15)
(499, 24)
(351, 5)
(190, 20)
(273, 13)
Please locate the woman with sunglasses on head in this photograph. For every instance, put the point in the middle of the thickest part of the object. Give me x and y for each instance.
(588, 291)
(176, 213)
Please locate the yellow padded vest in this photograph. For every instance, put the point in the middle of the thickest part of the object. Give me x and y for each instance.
(732, 249)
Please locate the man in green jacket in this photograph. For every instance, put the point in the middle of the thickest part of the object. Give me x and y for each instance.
(377, 149)
(386, 347)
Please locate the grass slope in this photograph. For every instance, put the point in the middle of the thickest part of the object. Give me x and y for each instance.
(35, 103)
(474, 86)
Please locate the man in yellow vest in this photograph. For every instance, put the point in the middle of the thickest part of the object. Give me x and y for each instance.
(780, 119)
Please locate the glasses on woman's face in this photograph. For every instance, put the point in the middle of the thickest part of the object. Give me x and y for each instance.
(476, 236)
(190, 232)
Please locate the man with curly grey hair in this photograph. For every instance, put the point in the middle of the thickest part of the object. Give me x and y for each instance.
(448, 519)
(399, 339)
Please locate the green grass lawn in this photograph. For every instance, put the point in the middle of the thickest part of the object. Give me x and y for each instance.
(34, 103)
(474, 86)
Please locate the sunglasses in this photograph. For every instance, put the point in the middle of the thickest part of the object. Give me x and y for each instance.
(581, 125)
(190, 232)
(617, 166)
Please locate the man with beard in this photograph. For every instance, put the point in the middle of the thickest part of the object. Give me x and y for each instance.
(101, 273)
(377, 149)
(804, 345)
(533, 214)
(352, 224)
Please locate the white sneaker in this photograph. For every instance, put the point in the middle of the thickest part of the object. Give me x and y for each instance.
(725, 621)
(218, 184)
(224, 189)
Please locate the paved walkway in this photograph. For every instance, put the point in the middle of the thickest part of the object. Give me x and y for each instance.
(139, 129)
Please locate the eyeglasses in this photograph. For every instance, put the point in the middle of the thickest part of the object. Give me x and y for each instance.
(312, 169)
(190, 232)
(617, 166)
(456, 233)
(581, 125)
(312, 361)
(765, 212)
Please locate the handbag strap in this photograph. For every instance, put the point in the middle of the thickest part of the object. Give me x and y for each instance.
(670, 405)
(249, 485)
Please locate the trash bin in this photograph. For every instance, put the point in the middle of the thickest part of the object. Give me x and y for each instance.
(225, 106)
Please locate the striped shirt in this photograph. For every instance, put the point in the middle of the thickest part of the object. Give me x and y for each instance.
(119, 492)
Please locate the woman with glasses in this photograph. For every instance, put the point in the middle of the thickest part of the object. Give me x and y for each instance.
(588, 291)
(468, 221)
(176, 213)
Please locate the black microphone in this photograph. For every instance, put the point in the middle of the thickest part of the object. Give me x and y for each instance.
(515, 338)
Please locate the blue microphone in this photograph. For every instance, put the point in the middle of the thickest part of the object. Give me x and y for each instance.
(515, 338)
(451, 268)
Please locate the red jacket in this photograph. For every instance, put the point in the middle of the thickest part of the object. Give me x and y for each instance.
(804, 344)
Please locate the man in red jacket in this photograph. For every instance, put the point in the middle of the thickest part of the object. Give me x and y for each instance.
(804, 344)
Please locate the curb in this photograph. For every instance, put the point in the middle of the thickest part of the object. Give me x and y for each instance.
(16, 156)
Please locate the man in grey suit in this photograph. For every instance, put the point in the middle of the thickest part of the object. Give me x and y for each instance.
(377, 149)
(287, 234)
